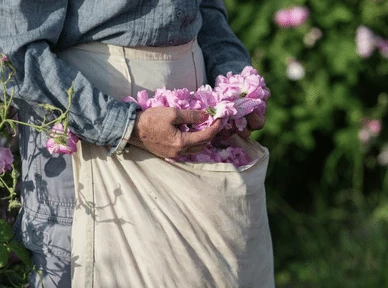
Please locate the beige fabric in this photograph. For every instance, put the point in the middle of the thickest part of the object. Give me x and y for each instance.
(143, 222)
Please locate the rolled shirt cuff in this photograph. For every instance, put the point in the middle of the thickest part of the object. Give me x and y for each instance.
(118, 149)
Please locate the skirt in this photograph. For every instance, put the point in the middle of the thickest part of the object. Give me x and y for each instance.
(141, 221)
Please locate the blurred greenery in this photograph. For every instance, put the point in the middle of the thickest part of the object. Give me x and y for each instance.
(327, 193)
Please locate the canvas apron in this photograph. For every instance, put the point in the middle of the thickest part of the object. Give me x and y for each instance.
(143, 222)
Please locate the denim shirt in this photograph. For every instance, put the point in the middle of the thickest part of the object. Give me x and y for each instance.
(31, 32)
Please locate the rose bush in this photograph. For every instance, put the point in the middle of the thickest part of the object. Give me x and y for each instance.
(327, 134)
(15, 260)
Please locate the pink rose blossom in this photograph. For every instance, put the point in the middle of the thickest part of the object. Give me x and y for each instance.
(374, 127)
(282, 18)
(369, 128)
(128, 99)
(61, 143)
(365, 41)
(295, 70)
(4, 58)
(206, 97)
(246, 84)
(142, 98)
(240, 123)
(312, 37)
(248, 71)
(246, 106)
(224, 109)
(298, 15)
(240, 156)
(292, 17)
(233, 97)
(364, 136)
(382, 158)
(382, 45)
(6, 159)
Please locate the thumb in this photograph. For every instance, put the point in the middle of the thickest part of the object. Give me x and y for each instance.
(190, 117)
(202, 136)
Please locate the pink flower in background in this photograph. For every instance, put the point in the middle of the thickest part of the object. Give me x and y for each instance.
(369, 128)
(291, 17)
(382, 158)
(374, 127)
(6, 159)
(364, 135)
(295, 70)
(61, 142)
(282, 18)
(365, 41)
(382, 45)
(312, 37)
(4, 58)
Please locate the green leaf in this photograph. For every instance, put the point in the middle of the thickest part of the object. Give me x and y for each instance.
(380, 213)
(4, 255)
(6, 232)
(21, 252)
(341, 13)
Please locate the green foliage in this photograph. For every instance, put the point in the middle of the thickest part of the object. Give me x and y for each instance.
(15, 260)
(327, 193)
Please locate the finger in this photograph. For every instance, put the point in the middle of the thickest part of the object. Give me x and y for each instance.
(255, 121)
(225, 134)
(246, 133)
(195, 149)
(203, 136)
(190, 117)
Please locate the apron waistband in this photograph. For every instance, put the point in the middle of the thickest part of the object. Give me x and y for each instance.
(141, 52)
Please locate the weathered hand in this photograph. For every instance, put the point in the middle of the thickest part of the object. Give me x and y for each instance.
(156, 130)
(255, 121)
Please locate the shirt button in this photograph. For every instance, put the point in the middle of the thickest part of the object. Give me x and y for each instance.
(179, 14)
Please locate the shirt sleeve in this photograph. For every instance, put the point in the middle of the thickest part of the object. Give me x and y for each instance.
(29, 30)
(222, 50)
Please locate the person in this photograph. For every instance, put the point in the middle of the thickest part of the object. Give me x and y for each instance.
(38, 38)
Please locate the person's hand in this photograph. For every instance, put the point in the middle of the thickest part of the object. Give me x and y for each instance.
(156, 130)
(255, 121)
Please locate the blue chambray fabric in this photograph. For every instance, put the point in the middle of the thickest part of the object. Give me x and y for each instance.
(31, 32)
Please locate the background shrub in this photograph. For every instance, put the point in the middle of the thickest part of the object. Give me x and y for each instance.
(327, 191)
